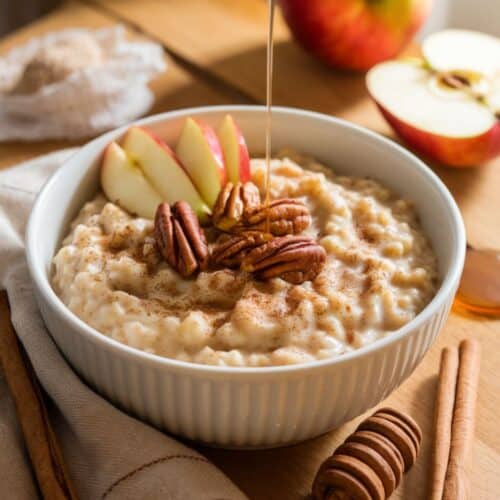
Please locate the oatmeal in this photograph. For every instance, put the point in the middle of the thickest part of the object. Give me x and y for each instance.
(380, 272)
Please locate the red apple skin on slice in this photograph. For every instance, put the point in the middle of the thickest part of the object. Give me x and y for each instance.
(236, 156)
(124, 183)
(163, 169)
(451, 151)
(201, 154)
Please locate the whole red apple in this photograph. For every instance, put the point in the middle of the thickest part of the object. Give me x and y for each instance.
(354, 34)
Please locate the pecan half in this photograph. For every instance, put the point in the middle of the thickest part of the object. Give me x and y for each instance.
(233, 201)
(180, 239)
(286, 216)
(293, 258)
(230, 250)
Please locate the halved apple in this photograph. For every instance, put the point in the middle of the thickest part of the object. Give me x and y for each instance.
(235, 151)
(446, 105)
(163, 170)
(455, 50)
(200, 152)
(448, 124)
(124, 183)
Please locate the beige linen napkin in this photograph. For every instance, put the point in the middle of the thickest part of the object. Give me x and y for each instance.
(110, 455)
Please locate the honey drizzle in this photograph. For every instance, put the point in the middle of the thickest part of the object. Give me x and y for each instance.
(269, 98)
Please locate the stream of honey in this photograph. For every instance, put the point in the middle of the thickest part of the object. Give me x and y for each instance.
(269, 100)
(479, 290)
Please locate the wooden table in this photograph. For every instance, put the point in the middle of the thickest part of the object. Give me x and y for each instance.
(216, 54)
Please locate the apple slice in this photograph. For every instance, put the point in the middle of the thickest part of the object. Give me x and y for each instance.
(462, 50)
(235, 151)
(124, 183)
(200, 152)
(447, 124)
(162, 169)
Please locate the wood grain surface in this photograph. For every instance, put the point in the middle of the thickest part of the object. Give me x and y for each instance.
(216, 54)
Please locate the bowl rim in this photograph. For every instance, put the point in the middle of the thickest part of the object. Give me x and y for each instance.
(445, 291)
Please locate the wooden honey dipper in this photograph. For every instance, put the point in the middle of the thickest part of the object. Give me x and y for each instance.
(372, 460)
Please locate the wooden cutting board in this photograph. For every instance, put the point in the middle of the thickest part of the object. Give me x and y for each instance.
(216, 54)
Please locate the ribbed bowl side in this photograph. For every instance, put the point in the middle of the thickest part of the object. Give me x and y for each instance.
(245, 411)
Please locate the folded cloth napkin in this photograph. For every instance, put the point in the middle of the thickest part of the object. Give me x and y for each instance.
(109, 454)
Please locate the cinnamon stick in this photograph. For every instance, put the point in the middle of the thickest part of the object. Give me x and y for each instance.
(457, 481)
(44, 451)
(443, 417)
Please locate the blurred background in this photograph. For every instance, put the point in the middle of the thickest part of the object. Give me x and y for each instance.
(472, 14)
(15, 13)
(479, 15)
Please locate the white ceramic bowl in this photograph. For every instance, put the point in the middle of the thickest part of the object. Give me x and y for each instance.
(251, 407)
